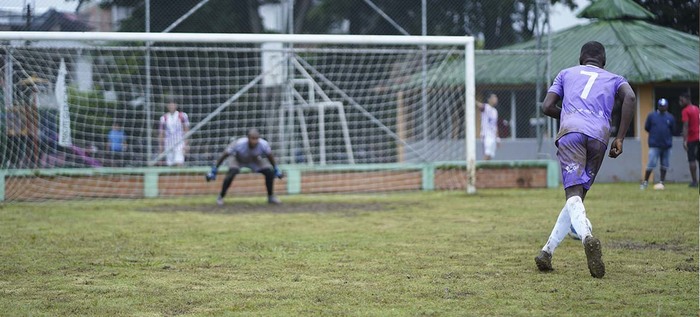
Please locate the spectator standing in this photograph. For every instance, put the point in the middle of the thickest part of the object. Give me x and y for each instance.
(116, 139)
(174, 125)
(691, 135)
(660, 125)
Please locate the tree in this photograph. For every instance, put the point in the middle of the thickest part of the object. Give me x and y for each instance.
(501, 22)
(681, 15)
(217, 16)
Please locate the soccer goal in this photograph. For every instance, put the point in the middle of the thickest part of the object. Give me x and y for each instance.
(92, 114)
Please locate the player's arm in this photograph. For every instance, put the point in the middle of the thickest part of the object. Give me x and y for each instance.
(271, 158)
(671, 125)
(498, 130)
(221, 159)
(549, 106)
(685, 119)
(647, 124)
(161, 134)
(479, 105)
(212, 174)
(185, 130)
(685, 135)
(629, 100)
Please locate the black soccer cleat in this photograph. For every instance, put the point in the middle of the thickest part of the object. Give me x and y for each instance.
(544, 261)
(594, 256)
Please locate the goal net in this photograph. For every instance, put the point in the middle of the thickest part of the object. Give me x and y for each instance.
(89, 115)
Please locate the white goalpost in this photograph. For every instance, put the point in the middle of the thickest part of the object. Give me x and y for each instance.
(344, 113)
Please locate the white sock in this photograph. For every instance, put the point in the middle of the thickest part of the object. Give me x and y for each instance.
(561, 229)
(577, 212)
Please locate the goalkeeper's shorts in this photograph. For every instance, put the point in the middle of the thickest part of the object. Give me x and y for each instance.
(255, 166)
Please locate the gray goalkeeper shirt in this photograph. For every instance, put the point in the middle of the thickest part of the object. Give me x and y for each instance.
(246, 155)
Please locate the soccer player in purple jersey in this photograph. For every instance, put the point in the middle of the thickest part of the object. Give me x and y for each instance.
(588, 94)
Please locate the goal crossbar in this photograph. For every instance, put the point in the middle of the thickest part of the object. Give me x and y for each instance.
(238, 38)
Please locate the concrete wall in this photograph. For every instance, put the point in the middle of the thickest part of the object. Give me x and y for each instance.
(626, 168)
(155, 182)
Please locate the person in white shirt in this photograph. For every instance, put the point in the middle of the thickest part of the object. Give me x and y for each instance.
(489, 125)
(174, 125)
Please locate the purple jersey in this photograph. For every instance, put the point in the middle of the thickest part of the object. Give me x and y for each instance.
(588, 96)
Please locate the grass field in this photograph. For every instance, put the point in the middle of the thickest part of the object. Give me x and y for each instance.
(408, 254)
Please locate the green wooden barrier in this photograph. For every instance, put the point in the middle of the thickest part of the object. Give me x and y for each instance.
(294, 173)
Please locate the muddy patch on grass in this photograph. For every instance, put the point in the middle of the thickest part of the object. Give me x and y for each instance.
(348, 209)
(687, 267)
(637, 245)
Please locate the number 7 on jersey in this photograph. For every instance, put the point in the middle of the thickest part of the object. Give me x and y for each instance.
(591, 79)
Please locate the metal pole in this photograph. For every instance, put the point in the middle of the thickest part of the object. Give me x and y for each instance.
(548, 68)
(289, 130)
(538, 79)
(8, 106)
(322, 133)
(185, 16)
(386, 17)
(424, 71)
(148, 16)
(240, 38)
(470, 116)
(513, 115)
(29, 17)
(290, 17)
(147, 104)
(8, 78)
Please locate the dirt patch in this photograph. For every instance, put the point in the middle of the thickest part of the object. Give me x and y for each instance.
(636, 245)
(242, 207)
(687, 267)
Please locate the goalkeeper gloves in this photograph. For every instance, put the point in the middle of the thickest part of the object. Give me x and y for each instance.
(278, 173)
(212, 174)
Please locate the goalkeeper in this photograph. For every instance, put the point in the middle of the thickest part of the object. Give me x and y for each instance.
(251, 152)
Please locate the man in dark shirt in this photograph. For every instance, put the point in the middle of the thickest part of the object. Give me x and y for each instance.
(660, 125)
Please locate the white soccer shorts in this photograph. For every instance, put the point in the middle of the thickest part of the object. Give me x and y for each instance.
(490, 145)
(176, 156)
